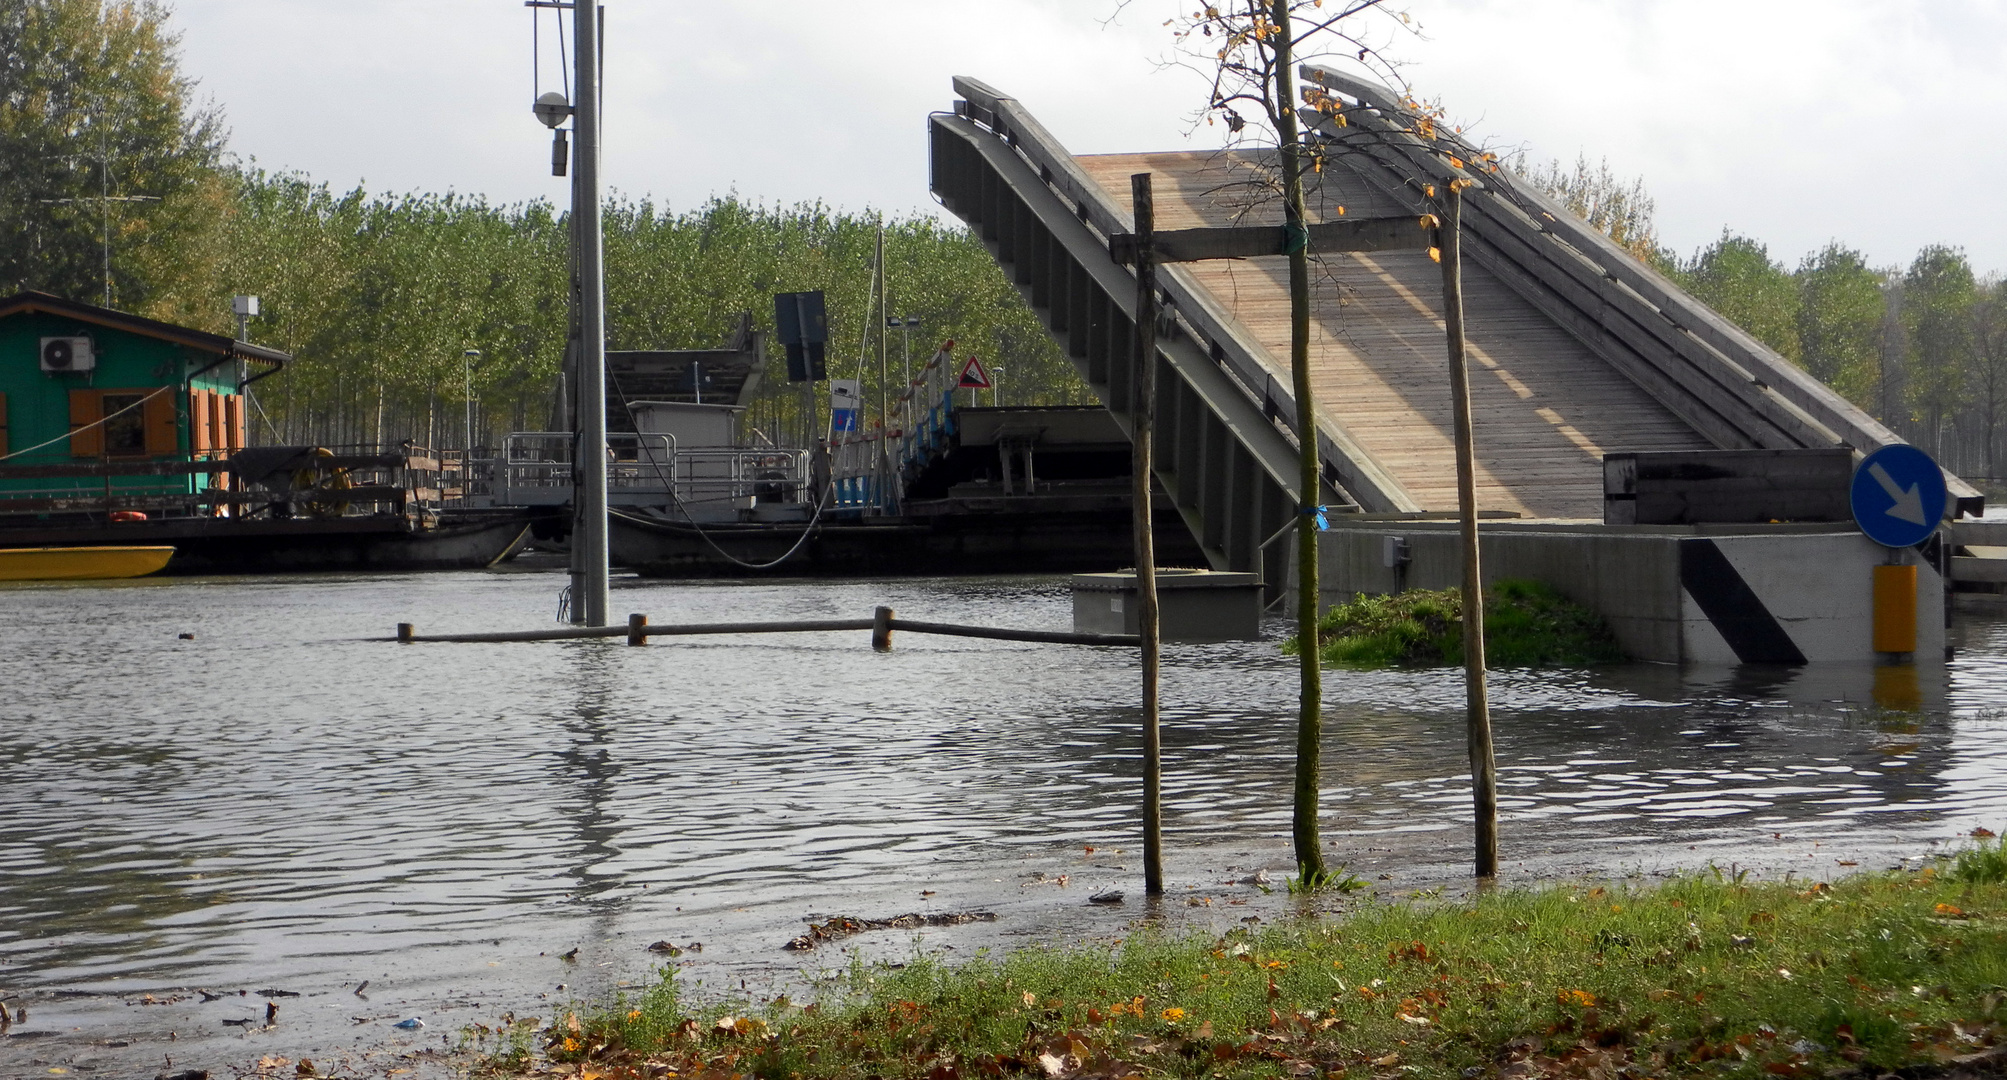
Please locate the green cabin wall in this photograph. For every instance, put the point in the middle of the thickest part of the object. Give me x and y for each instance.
(38, 402)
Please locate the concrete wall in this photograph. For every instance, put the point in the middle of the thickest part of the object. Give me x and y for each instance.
(1811, 581)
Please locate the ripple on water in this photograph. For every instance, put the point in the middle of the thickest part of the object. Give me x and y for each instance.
(278, 788)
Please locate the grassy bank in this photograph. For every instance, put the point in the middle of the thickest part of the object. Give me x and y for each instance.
(1707, 974)
(1526, 624)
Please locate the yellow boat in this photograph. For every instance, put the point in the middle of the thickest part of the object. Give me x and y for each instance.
(81, 563)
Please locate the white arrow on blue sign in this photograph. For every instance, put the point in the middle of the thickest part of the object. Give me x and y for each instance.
(1898, 496)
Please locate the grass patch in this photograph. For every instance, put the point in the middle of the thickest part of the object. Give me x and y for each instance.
(1526, 624)
(1703, 975)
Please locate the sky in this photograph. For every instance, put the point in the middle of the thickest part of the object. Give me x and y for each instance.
(1797, 122)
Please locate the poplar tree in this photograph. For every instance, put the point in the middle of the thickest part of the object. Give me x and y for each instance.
(1839, 321)
(103, 149)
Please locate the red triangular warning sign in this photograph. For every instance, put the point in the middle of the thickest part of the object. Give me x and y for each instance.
(974, 377)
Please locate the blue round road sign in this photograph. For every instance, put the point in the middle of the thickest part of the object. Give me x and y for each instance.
(1898, 496)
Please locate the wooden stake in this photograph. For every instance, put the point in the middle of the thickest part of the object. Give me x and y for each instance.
(637, 629)
(1144, 451)
(406, 632)
(881, 629)
(1477, 710)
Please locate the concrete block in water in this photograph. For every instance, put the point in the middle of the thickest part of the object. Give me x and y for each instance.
(1192, 605)
(1724, 594)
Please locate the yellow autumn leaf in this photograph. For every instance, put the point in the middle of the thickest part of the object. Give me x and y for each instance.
(1435, 255)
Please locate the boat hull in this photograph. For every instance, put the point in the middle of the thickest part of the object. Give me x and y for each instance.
(304, 545)
(1047, 540)
(93, 563)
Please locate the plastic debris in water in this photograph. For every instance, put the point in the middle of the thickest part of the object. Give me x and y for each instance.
(412, 1024)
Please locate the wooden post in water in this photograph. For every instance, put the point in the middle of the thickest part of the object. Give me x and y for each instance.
(406, 632)
(1144, 451)
(1477, 710)
(637, 629)
(881, 629)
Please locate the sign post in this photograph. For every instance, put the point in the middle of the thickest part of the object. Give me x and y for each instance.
(1899, 498)
(974, 377)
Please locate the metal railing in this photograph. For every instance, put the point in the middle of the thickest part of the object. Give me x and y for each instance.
(534, 468)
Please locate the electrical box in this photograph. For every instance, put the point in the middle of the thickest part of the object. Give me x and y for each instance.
(1394, 552)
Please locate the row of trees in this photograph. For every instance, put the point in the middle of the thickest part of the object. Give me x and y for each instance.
(1922, 347)
(115, 188)
(380, 297)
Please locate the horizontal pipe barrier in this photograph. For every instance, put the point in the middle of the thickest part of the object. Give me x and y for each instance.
(638, 630)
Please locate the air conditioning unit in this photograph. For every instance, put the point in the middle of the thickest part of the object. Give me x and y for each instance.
(66, 354)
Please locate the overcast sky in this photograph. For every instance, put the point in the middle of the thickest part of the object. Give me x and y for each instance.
(1795, 121)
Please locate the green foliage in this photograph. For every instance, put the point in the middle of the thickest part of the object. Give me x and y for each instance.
(378, 297)
(1736, 277)
(92, 104)
(1696, 977)
(1338, 879)
(1938, 292)
(1621, 210)
(1982, 863)
(1526, 624)
(1989, 369)
(1839, 322)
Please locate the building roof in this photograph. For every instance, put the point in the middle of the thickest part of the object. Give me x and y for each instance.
(46, 303)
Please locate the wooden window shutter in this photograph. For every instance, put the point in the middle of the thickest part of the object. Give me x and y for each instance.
(86, 408)
(163, 432)
(198, 422)
(238, 422)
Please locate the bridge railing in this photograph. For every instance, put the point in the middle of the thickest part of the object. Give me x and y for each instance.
(1227, 460)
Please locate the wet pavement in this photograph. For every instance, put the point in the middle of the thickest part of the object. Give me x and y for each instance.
(277, 807)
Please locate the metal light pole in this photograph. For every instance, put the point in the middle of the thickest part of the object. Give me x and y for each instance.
(589, 604)
(906, 326)
(244, 307)
(467, 391)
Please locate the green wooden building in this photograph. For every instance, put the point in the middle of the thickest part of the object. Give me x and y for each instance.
(138, 399)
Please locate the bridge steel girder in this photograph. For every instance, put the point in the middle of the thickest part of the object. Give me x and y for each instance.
(1227, 468)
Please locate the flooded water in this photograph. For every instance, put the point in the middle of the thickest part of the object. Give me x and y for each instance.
(278, 804)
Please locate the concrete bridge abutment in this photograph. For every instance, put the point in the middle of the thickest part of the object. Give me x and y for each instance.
(1710, 594)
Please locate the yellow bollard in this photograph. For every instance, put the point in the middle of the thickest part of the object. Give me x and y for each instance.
(1895, 609)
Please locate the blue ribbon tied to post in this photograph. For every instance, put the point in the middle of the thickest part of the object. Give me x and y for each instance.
(1317, 518)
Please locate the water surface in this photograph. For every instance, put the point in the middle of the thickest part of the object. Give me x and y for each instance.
(280, 804)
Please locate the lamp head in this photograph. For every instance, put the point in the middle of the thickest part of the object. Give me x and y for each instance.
(552, 109)
(472, 354)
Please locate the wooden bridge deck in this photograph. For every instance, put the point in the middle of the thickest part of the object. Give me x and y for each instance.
(1546, 408)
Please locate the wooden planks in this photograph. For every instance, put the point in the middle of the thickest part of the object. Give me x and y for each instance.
(1547, 408)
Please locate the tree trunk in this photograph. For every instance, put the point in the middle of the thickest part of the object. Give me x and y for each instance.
(1310, 695)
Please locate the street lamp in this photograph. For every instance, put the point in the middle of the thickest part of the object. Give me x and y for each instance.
(905, 326)
(552, 108)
